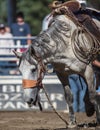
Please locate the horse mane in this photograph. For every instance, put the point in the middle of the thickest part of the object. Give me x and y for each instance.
(57, 33)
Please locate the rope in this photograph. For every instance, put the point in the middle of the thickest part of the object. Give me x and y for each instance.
(54, 108)
(39, 83)
(80, 50)
(41, 76)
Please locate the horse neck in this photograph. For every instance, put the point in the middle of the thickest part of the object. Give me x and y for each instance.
(53, 42)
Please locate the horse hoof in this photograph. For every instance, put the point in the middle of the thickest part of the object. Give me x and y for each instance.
(89, 108)
(74, 128)
(72, 125)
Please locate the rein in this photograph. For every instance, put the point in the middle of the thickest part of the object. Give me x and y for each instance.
(41, 71)
(54, 108)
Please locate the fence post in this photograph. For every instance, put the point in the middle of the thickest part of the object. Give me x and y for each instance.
(18, 45)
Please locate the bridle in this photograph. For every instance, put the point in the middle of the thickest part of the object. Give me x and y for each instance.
(27, 83)
(41, 71)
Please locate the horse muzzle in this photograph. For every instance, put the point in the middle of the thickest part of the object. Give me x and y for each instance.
(31, 103)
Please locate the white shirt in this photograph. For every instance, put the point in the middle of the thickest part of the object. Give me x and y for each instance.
(6, 43)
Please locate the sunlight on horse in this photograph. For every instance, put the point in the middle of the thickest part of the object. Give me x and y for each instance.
(70, 49)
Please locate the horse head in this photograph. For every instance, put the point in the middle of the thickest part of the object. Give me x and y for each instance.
(28, 68)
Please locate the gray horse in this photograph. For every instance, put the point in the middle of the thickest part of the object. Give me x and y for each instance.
(69, 49)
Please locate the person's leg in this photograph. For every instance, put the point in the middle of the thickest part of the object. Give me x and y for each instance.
(82, 90)
(97, 75)
(74, 89)
(97, 97)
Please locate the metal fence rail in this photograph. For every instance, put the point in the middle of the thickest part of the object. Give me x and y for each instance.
(7, 58)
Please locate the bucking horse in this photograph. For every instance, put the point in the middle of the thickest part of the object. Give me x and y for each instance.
(70, 46)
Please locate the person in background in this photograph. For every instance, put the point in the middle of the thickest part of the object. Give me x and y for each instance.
(6, 47)
(21, 29)
(5, 44)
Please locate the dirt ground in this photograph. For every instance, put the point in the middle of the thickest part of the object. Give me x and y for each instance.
(35, 120)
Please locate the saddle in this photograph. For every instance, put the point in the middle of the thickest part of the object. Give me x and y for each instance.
(84, 16)
(72, 5)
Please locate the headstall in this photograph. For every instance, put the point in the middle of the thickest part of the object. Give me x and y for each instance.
(27, 83)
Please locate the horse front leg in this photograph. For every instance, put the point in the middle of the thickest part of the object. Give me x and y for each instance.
(68, 97)
(89, 77)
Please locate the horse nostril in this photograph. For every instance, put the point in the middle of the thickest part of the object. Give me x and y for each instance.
(30, 102)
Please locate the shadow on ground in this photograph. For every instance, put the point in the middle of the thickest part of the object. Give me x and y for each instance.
(83, 126)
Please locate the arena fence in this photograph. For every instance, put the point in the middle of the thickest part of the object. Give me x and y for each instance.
(11, 91)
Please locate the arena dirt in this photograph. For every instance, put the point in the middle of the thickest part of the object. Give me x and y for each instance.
(35, 120)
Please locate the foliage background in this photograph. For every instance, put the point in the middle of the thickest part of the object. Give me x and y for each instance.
(35, 11)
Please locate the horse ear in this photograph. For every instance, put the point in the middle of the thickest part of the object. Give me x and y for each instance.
(32, 50)
(17, 54)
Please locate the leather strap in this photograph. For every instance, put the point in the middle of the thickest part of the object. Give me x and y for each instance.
(29, 83)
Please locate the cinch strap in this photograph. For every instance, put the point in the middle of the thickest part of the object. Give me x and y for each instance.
(29, 83)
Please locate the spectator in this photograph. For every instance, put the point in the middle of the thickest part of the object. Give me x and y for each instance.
(21, 29)
(4, 43)
(5, 48)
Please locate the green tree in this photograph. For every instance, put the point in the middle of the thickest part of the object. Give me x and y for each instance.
(94, 3)
(3, 11)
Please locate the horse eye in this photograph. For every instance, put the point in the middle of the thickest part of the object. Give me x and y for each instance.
(33, 69)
